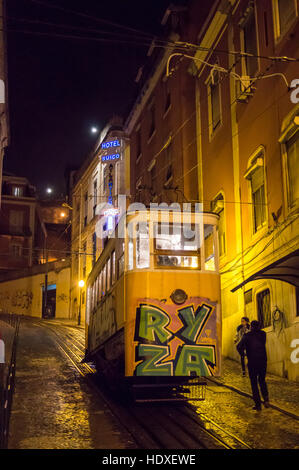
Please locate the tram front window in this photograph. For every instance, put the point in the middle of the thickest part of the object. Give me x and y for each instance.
(142, 246)
(170, 238)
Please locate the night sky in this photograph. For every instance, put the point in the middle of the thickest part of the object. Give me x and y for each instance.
(59, 87)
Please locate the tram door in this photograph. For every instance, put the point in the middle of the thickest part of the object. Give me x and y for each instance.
(50, 309)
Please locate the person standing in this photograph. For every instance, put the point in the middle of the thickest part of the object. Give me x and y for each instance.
(254, 343)
(242, 329)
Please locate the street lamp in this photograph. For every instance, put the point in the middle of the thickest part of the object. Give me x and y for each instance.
(94, 130)
(81, 285)
(65, 204)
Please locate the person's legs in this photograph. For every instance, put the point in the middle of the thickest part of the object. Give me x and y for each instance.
(254, 387)
(262, 382)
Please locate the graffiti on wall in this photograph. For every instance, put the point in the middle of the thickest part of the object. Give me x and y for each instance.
(4, 296)
(62, 298)
(103, 323)
(19, 298)
(22, 299)
(172, 340)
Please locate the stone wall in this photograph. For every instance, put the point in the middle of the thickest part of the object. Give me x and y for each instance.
(24, 295)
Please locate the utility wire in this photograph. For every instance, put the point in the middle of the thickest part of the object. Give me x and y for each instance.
(93, 18)
(139, 36)
(77, 28)
(206, 128)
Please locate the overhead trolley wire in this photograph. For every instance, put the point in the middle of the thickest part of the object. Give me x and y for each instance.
(139, 34)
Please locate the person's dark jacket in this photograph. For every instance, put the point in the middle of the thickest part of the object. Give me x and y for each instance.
(254, 343)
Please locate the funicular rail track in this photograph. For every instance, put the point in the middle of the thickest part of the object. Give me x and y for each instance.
(153, 426)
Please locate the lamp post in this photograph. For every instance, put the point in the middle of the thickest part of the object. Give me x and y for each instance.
(81, 285)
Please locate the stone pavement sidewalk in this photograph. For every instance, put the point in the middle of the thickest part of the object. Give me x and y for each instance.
(53, 406)
(282, 392)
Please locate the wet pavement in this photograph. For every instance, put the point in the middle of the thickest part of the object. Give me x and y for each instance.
(53, 406)
(268, 429)
(282, 392)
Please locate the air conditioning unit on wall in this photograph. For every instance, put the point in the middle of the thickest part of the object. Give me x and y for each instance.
(244, 88)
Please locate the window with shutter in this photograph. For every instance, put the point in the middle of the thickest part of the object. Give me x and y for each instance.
(215, 102)
(250, 45)
(264, 308)
(284, 12)
(16, 221)
(258, 197)
(217, 206)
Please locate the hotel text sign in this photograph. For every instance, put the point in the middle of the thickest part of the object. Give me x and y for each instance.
(112, 143)
(107, 158)
(107, 145)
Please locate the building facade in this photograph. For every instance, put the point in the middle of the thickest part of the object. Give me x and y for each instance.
(22, 232)
(249, 169)
(101, 179)
(22, 292)
(56, 217)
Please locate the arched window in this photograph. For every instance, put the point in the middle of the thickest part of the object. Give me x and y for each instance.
(256, 176)
(292, 163)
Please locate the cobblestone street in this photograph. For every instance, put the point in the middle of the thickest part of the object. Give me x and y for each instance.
(268, 429)
(52, 407)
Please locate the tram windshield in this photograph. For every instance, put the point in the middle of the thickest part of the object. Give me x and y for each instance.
(172, 245)
(176, 245)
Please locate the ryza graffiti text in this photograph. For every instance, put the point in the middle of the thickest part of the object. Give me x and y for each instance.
(154, 335)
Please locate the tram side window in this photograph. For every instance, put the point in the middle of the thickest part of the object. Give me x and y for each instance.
(209, 248)
(96, 292)
(172, 238)
(104, 280)
(108, 274)
(130, 254)
(142, 246)
(113, 267)
(121, 265)
(100, 286)
(88, 304)
(92, 297)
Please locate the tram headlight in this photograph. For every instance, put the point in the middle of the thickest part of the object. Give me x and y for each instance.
(179, 296)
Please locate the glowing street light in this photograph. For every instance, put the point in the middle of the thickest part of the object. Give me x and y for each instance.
(94, 130)
(49, 190)
(62, 214)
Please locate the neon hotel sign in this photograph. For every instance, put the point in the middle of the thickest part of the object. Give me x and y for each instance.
(108, 145)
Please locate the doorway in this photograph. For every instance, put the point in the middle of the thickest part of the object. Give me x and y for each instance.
(49, 310)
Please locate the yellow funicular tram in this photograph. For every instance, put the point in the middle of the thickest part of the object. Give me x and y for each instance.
(153, 302)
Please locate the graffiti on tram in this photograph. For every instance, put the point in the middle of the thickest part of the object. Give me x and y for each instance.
(172, 340)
